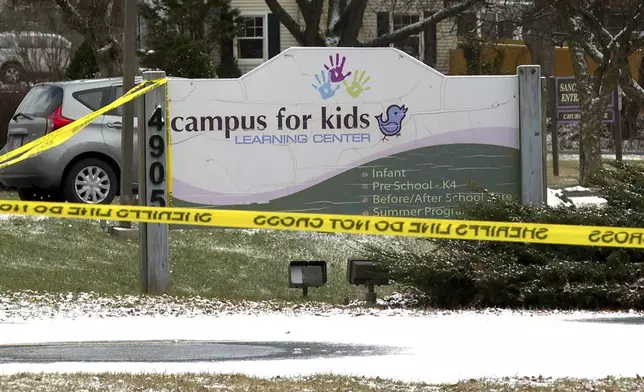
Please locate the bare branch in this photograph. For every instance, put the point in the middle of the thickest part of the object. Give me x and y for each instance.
(602, 34)
(79, 23)
(312, 14)
(631, 88)
(335, 14)
(573, 25)
(287, 20)
(444, 13)
(579, 60)
(339, 19)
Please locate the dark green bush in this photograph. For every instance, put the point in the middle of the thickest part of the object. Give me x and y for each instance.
(494, 274)
(183, 35)
(180, 56)
(83, 64)
(228, 67)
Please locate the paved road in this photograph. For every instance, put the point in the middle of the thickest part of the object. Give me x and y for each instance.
(180, 351)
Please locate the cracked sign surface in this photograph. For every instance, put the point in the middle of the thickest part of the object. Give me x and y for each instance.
(344, 131)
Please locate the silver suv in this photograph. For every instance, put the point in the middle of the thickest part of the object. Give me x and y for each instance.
(84, 169)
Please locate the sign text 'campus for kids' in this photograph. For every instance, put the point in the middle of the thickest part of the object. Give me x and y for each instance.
(343, 121)
(368, 132)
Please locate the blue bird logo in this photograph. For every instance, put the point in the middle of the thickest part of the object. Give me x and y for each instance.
(393, 124)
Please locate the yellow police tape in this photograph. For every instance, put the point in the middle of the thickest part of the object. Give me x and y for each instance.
(63, 134)
(351, 224)
(168, 144)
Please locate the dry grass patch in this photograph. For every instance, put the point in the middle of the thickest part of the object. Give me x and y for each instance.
(27, 382)
(568, 174)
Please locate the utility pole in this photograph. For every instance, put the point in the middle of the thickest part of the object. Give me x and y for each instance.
(127, 133)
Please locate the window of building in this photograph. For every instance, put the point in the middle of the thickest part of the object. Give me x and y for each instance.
(495, 26)
(488, 27)
(466, 23)
(411, 44)
(251, 41)
(485, 25)
(615, 21)
(387, 23)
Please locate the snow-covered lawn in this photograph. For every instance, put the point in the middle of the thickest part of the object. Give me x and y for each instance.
(557, 197)
(436, 347)
(575, 157)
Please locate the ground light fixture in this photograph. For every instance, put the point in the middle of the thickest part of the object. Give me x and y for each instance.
(305, 274)
(369, 273)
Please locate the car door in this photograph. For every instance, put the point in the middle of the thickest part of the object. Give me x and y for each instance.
(112, 127)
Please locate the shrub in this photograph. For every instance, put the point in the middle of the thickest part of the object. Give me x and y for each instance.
(180, 56)
(228, 67)
(518, 275)
(83, 64)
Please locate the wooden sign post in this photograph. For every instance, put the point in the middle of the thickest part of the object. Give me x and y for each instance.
(153, 237)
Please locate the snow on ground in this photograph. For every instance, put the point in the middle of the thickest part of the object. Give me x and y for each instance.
(588, 201)
(575, 157)
(17, 307)
(557, 197)
(554, 199)
(435, 348)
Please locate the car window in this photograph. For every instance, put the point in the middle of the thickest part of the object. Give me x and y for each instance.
(117, 93)
(94, 99)
(7, 41)
(41, 100)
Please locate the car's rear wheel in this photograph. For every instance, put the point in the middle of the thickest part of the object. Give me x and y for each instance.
(12, 73)
(33, 194)
(90, 181)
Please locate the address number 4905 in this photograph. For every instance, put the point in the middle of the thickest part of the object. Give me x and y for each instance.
(156, 149)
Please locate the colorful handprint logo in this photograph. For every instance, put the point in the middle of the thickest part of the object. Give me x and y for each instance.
(335, 70)
(324, 86)
(358, 85)
(333, 73)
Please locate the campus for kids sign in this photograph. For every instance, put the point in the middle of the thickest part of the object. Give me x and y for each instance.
(344, 131)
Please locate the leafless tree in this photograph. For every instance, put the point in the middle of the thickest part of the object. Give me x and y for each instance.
(344, 20)
(37, 44)
(584, 22)
(101, 24)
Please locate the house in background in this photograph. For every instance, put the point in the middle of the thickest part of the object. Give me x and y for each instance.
(264, 36)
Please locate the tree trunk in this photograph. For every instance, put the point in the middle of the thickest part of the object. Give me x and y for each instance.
(109, 62)
(539, 41)
(101, 23)
(631, 109)
(592, 105)
(590, 158)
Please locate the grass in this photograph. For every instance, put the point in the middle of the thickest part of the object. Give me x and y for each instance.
(568, 174)
(63, 255)
(8, 195)
(205, 382)
(58, 255)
